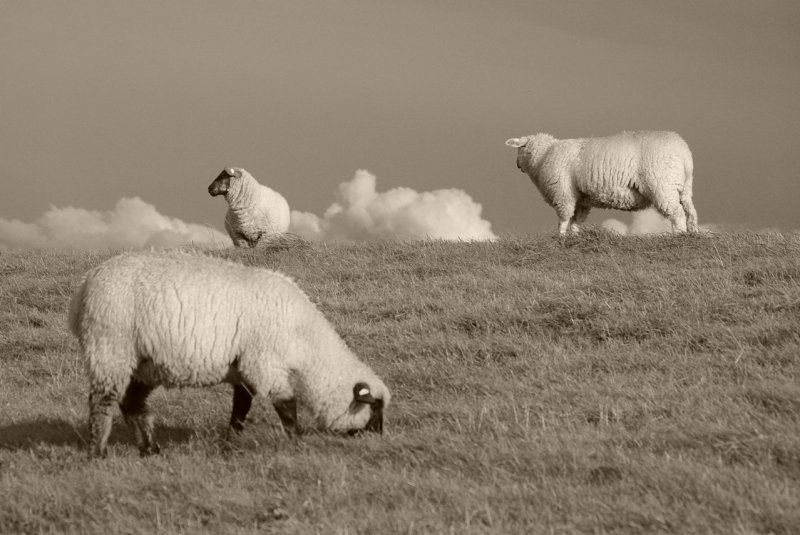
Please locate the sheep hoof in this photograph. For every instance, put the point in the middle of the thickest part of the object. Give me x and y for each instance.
(147, 451)
(233, 433)
(98, 453)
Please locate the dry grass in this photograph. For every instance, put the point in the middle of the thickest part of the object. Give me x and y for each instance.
(541, 385)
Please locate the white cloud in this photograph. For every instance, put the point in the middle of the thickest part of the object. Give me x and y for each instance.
(361, 213)
(131, 224)
(647, 221)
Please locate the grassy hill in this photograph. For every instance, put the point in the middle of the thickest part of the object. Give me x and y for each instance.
(593, 384)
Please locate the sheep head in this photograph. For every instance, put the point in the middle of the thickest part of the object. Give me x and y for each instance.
(363, 396)
(352, 412)
(518, 143)
(225, 181)
(530, 150)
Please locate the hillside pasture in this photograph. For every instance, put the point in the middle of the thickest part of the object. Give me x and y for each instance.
(592, 383)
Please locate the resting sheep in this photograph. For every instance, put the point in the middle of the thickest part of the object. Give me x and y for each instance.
(628, 171)
(177, 319)
(255, 212)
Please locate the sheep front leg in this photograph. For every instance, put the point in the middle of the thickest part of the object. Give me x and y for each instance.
(100, 406)
(239, 239)
(565, 215)
(242, 401)
(136, 412)
(287, 411)
(581, 214)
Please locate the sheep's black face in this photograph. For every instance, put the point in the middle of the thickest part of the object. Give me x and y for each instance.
(519, 143)
(362, 395)
(524, 157)
(222, 183)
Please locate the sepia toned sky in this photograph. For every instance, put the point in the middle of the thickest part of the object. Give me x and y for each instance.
(106, 100)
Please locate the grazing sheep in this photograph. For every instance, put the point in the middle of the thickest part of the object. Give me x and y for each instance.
(627, 171)
(179, 319)
(255, 212)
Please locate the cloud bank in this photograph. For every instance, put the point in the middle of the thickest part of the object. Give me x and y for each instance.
(647, 221)
(361, 213)
(131, 224)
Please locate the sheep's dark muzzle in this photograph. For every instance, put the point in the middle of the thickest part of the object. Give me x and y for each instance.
(375, 422)
(220, 185)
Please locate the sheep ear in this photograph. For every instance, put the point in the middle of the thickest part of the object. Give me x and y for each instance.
(362, 394)
(516, 142)
(231, 171)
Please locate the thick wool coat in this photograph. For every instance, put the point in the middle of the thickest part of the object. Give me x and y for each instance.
(179, 319)
(627, 171)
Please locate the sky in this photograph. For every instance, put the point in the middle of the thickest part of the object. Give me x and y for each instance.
(104, 105)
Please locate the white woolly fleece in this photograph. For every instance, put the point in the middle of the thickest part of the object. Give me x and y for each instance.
(178, 319)
(627, 171)
(254, 210)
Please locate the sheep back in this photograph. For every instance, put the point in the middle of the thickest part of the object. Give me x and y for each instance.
(625, 171)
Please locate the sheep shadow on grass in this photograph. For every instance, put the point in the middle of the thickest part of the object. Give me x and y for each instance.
(27, 434)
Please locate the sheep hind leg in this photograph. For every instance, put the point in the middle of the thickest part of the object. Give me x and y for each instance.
(287, 412)
(670, 207)
(691, 213)
(137, 414)
(678, 220)
(101, 404)
(242, 401)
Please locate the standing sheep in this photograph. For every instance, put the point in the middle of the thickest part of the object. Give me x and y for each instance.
(254, 212)
(177, 319)
(628, 171)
